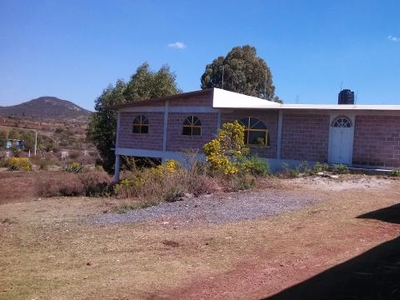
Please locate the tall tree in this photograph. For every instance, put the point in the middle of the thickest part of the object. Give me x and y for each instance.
(144, 84)
(241, 71)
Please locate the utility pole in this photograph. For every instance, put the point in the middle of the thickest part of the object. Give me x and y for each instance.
(35, 149)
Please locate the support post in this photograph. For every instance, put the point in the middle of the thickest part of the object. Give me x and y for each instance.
(279, 138)
(117, 168)
(35, 150)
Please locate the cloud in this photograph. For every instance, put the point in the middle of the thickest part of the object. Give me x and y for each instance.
(177, 45)
(393, 38)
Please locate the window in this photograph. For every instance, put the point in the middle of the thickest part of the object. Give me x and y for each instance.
(140, 125)
(341, 122)
(191, 126)
(255, 132)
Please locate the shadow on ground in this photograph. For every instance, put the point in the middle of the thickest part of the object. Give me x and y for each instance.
(373, 275)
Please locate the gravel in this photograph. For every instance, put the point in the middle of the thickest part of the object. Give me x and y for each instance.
(215, 209)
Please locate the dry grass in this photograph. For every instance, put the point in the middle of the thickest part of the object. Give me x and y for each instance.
(86, 183)
(48, 250)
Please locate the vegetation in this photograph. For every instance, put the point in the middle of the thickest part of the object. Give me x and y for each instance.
(395, 173)
(18, 163)
(144, 84)
(319, 168)
(223, 152)
(241, 71)
(228, 155)
(90, 183)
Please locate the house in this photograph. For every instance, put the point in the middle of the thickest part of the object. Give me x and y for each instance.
(355, 135)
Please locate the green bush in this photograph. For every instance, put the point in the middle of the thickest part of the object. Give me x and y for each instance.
(395, 173)
(255, 166)
(318, 167)
(340, 169)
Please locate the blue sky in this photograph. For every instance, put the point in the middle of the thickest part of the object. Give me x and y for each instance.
(74, 49)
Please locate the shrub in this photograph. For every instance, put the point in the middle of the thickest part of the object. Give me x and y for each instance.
(90, 183)
(395, 173)
(255, 166)
(18, 163)
(223, 152)
(340, 169)
(42, 162)
(74, 167)
(318, 167)
(96, 183)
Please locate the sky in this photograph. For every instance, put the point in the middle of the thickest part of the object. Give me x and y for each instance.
(75, 49)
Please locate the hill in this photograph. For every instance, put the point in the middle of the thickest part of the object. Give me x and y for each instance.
(47, 109)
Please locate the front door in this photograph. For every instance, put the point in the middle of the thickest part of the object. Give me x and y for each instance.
(341, 140)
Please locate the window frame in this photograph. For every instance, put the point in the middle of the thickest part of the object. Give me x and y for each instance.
(142, 123)
(252, 127)
(194, 125)
(342, 122)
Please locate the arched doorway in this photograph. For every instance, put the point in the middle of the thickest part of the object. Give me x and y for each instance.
(341, 137)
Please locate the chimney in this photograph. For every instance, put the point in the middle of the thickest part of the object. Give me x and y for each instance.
(346, 97)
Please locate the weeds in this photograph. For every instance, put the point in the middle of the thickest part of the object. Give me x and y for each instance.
(340, 169)
(89, 183)
(305, 169)
(395, 173)
(74, 167)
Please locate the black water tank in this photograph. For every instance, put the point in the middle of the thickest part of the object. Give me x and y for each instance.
(346, 97)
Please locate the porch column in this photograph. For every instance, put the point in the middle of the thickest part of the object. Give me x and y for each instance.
(117, 168)
(165, 130)
(279, 138)
(117, 156)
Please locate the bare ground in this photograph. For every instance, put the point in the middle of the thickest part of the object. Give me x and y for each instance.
(342, 244)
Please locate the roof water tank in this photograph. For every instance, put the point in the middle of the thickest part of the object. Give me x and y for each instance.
(346, 97)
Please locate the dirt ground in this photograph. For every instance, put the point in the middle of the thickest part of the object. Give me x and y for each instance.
(346, 246)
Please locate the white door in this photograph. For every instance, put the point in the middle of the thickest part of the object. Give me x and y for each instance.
(341, 140)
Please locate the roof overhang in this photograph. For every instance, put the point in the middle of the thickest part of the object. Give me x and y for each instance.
(227, 99)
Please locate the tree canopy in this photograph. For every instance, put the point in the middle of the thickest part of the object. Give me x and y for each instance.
(241, 71)
(144, 84)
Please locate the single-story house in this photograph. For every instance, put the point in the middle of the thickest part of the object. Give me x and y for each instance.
(355, 135)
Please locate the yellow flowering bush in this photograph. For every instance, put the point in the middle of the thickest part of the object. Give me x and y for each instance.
(144, 181)
(19, 163)
(223, 152)
(170, 166)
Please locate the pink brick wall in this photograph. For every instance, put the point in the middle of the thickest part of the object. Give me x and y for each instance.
(269, 118)
(377, 141)
(176, 141)
(152, 140)
(305, 137)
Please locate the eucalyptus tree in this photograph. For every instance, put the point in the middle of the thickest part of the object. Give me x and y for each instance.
(241, 71)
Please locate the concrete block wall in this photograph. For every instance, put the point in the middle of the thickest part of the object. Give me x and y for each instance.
(153, 140)
(176, 141)
(377, 141)
(305, 137)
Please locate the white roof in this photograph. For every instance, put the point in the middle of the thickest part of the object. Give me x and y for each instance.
(227, 99)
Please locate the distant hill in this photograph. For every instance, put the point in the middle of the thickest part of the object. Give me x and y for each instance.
(46, 109)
